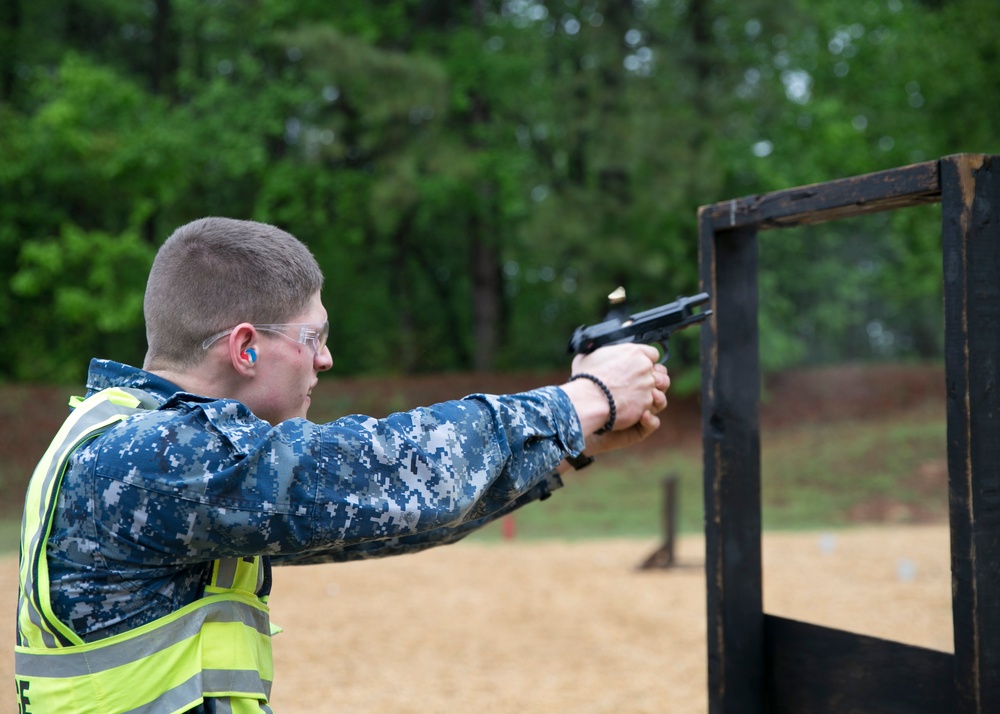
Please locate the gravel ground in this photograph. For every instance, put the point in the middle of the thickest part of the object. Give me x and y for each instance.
(564, 627)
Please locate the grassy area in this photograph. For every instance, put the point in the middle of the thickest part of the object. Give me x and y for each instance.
(814, 476)
(835, 475)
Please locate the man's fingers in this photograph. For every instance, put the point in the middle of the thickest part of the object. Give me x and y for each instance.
(652, 353)
(648, 424)
(659, 401)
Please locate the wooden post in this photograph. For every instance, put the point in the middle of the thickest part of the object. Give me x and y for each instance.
(731, 438)
(970, 215)
(664, 556)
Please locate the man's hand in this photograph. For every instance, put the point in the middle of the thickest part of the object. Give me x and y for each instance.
(599, 443)
(638, 386)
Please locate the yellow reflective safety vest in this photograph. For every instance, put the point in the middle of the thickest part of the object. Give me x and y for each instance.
(218, 646)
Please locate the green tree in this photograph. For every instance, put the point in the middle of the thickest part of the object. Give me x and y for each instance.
(474, 178)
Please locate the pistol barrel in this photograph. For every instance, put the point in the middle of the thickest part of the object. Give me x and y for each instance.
(649, 326)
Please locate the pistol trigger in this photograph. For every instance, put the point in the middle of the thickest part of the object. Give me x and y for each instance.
(666, 352)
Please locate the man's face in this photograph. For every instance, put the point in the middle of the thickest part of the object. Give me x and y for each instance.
(288, 370)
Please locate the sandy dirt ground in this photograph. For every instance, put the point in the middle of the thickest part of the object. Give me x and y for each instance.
(564, 627)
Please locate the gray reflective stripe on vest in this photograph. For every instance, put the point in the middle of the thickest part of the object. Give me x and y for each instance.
(74, 664)
(226, 575)
(208, 681)
(89, 422)
(227, 572)
(145, 399)
(177, 699)
(225, 706)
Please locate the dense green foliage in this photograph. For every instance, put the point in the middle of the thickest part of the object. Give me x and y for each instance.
(475, 176)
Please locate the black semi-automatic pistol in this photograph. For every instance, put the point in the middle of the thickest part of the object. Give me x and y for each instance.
(651, 326)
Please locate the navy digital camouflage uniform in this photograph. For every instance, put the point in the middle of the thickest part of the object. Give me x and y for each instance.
(145, 508)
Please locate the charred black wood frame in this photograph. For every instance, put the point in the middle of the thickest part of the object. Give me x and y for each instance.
(762, 663)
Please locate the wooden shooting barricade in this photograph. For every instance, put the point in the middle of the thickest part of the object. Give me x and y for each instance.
(762, 663)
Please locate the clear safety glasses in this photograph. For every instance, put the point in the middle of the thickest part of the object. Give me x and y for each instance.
(313, 334)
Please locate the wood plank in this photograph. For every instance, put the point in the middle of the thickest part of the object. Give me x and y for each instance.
(818, 670)
(731, 438)
(833, 200)
(971, 247)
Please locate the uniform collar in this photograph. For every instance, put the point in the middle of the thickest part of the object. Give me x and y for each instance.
(105, 373)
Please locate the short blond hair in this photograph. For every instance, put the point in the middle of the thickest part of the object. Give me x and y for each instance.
(215, 273)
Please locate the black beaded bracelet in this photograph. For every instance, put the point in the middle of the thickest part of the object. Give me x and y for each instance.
(607, 393)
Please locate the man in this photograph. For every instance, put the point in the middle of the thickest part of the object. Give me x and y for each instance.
(146, 567)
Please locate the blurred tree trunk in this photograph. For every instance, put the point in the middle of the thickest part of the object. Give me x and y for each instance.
(484, 253)
(402, 295)
(486, 295)
(166, 48)
(10, 25)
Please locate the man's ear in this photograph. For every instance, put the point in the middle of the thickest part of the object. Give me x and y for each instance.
(243, 348)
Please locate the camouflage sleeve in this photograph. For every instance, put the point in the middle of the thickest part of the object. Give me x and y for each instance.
(417, 542)
(189, 486)
(432, 476)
